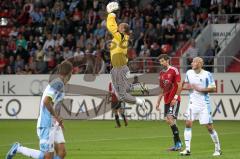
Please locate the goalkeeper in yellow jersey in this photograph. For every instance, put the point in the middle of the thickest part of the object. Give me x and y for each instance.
(119, 59)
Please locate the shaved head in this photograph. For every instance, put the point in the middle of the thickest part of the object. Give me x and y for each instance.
(199, 60)
(197, 63)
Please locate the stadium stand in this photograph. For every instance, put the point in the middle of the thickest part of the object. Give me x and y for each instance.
(38, 35)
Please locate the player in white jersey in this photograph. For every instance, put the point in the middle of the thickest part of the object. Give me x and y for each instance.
(200, 83)
(49, 125)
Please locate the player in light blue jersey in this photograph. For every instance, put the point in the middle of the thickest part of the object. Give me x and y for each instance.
(49, 125)
(200, 83)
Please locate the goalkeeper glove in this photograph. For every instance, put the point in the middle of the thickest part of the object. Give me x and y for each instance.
(112, 6)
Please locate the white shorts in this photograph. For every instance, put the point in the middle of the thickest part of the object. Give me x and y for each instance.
(201, 112)
(50, 136)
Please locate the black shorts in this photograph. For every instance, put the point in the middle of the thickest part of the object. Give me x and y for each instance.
(171, 110)
(117, 105)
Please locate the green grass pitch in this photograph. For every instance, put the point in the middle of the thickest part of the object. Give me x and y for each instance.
(140, 140)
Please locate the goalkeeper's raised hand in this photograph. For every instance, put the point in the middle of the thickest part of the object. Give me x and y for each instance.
(112, 6)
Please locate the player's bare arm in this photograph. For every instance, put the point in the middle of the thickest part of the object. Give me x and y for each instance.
(159, 100)
(186, 86)
(49, 105)
(174, 101)
(204, 90)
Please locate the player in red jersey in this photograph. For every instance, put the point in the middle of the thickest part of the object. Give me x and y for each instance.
(117, 106)
(170, 87)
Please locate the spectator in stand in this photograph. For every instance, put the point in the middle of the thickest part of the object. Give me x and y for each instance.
(150, 34)
(58, 26)
(78, 52)
(77, 15)
(144, 50)
(159, 33)
(178, 13)
(213, 2)
(22, 52)
(49, 25)
(9, 70)
(192, 52)
(70, 42)
(18, 71)
(48, 54)
(32, 64)
(19, 63)
(137, 19)
(100, 66)
(231, 9)
(138, 29)
(24, 16)
(39, 52)
(59, 40)
(169, 35)
(21, 41)
(14, 32)
(67, 53)
(216, 47)
(139, 42)
(58, 10)
(3, 63)
(209, 58)
(81, 42)
(41, 66)
(186, 13)
(99, 31)
(49, 42)
(91, 40)
(155, 50)
(38, 41)
(90, 64)
(37, 16)
(73, 5)
(12, 44)
(27, 70)
(196, 4)
(167, 21)
(30, 43)
(11, 63)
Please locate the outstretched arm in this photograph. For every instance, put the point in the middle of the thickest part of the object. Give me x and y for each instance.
(111, 20)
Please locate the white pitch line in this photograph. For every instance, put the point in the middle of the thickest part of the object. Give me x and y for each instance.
(129, 138)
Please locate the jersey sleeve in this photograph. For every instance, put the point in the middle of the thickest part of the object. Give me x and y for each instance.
(177, 75)
(211, 82)
(55, 90)
(187, 77)
(112, 27)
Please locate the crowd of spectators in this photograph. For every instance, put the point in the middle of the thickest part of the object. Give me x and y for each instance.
(38, 35)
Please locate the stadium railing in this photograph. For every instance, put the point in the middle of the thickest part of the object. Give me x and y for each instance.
(140, 64)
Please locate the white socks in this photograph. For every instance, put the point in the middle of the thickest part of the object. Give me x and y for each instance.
(30, 152)
(188, 137)
(215, 140)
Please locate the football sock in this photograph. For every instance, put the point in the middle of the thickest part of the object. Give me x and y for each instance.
(188, 137)
(117, 120)
(215, 140)
(175, 133)
(124, 118)
(30, 152)
(56, 157)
